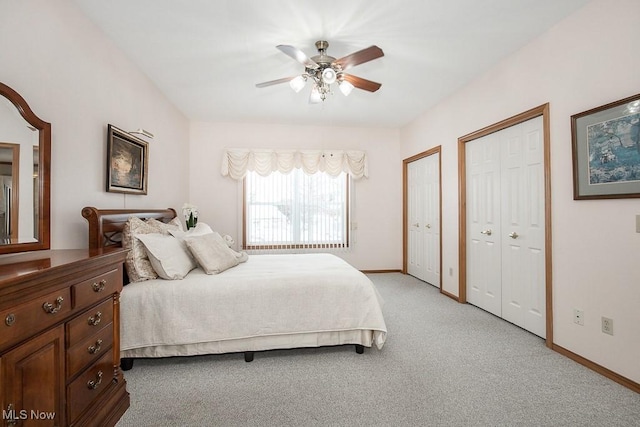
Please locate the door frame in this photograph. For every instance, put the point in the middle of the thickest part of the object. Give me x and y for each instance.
(405, 205)
(15, 188)
(542, 110)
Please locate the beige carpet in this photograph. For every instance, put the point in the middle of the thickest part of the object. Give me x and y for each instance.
(444, 364)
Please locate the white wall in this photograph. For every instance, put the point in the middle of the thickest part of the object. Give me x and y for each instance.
(378, 204)
(74, 78)
(587, 60)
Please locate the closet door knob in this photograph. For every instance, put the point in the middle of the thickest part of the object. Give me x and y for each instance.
(428, 226)
(487, 232)
(513, 235)
(417, 224)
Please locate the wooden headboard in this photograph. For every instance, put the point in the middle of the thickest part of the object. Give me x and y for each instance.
(105, 225)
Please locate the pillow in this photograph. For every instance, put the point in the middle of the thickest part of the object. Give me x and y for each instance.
(200, 229)
(241, 256)
(174, 224)
(211, 252)
(169, 256)
(229, 240)
(137, 262)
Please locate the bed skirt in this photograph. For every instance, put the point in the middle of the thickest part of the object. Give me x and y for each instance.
(272, 342)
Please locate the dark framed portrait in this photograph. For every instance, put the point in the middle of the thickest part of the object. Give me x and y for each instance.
(127, 162)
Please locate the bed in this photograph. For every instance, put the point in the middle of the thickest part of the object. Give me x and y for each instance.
(268, 302)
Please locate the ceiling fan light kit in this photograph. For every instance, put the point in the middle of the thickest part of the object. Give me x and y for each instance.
(298, 83)
(316, 95)
(324, 70)
(345, 87)
(329, 76)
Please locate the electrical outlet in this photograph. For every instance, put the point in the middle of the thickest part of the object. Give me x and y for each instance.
(607, 325)
(578, 317)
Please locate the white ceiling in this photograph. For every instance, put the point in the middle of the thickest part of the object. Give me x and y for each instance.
(207, 55)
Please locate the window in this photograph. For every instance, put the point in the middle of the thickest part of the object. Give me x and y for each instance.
(296, 210)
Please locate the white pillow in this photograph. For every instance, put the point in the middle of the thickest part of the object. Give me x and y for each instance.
(169, 256)
(200, 229)
(211, 252)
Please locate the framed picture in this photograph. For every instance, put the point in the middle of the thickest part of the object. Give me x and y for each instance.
(127, 162)
(606, 151)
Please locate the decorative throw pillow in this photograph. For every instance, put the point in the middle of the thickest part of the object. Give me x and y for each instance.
(241, 256)
(137, 262)
(200, 229)
(174, 224)
(211, 252)
(169, 256)
(229, 240)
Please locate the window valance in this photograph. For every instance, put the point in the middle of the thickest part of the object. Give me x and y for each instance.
(236, 162)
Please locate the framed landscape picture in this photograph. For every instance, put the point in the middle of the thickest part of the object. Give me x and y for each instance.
(127, 162)
(606, 151)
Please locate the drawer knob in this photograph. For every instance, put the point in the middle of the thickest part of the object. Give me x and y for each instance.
(10, 319)
(94, 320)
(93, 349)
(99, 287)
(92, 385)
(53, 309)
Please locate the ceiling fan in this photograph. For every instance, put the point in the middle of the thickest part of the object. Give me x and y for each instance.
(324, 70)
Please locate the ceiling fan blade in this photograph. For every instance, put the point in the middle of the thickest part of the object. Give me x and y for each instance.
(298, 55)
(359, 57)
(275, 82)
(361, 83)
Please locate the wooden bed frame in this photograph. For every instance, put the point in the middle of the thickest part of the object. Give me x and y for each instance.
(106, 225)
(105, 230)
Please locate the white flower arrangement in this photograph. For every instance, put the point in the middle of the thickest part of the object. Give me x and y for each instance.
(190, 213)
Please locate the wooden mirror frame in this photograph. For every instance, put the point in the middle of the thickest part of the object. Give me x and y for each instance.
(44, 175)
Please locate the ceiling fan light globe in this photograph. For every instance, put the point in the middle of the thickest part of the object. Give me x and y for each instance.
(345, 87)
(297, 83)
(329, 75)
(315, 97)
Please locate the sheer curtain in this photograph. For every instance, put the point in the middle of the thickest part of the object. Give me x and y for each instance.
(295, 200)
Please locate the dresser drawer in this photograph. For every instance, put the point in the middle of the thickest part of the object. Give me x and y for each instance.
(36, 315)
(92, 290)
(89, 322)
(89, 385)
(83, 353)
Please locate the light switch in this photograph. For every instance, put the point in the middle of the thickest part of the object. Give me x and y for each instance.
(637, 223)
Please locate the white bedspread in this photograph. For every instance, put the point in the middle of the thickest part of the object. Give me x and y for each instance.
(267, 295)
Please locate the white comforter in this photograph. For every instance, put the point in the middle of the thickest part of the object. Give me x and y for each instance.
(267, 295)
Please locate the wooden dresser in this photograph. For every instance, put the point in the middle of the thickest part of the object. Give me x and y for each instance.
(59, 338)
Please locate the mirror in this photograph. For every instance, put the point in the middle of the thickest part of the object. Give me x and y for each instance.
(25, 158)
